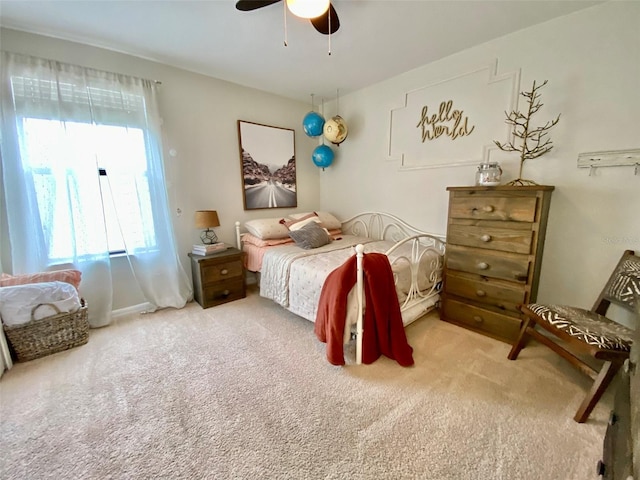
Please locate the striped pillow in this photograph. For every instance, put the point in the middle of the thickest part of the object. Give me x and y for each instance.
(310, 236)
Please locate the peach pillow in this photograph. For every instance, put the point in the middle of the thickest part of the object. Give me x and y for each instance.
(69, 276)
(259, 242)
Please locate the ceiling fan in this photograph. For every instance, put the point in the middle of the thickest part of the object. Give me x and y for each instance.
(326, 22)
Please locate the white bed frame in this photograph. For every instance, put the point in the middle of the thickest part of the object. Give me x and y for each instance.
(384, 226)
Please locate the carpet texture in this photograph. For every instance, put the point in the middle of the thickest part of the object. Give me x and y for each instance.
(243, 391)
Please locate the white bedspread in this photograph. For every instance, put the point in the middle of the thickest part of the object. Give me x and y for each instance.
(293, 277)
(277, 262)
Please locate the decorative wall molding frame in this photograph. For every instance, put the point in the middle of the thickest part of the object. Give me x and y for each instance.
(455, 121)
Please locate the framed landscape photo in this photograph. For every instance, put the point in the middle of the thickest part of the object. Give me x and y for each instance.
(268, 163)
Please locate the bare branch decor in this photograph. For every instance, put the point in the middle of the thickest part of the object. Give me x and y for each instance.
(533, 141)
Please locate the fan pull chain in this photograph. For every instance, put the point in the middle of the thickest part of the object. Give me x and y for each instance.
(285, 24)
(329, 15)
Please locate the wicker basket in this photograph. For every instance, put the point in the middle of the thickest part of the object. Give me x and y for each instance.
(48, 335)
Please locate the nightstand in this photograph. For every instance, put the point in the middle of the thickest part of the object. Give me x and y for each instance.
(218, 278)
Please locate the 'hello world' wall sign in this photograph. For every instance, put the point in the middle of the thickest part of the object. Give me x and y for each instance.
(453, 121)
(448, 122)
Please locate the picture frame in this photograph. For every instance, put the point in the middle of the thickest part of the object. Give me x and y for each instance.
(268, 166)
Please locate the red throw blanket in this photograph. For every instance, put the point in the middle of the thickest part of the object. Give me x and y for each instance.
(383, 329)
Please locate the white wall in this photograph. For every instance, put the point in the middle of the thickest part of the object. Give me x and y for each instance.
(200, 123)
(590, 59)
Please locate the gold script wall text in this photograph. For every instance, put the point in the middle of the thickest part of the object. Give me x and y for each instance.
(447, 122)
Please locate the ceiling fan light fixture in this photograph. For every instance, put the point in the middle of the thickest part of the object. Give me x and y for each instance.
(308, 8)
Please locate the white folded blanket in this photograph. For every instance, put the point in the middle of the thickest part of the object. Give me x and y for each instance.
(17, 302)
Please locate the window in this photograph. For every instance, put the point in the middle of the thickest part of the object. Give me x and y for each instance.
(91, 171)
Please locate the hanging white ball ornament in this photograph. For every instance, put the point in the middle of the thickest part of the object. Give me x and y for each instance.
(335, 130)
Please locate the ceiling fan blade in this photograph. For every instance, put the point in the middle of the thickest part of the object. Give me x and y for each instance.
(248, 5)
(321, 23)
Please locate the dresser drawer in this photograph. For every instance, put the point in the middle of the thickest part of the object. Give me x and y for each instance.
(223, 292)
(517, 209)
(496, 325)
(504, 239)
(215, 272)
(488, 263)
(497, 293)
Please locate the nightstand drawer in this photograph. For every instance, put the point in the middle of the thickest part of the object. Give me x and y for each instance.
(497, 293)
(488, 263)
(223, 292)
(517, 209)
(504, 239)
(493, 324)
(221, 271)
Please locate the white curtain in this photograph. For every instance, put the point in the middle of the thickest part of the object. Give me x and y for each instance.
(62, 126)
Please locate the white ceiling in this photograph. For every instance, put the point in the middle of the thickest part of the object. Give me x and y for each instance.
(377, 39)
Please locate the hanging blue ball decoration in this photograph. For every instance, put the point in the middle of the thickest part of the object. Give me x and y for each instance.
(322, 156)
(313, 124)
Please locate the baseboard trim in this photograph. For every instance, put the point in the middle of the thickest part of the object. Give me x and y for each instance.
(140, 308)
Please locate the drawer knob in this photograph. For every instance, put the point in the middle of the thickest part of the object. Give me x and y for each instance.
(485, 238)
(488, 208)
(224, 271)
(629, 367)
(477, 318)
(481, 293)
(483, 265)
(226, 293)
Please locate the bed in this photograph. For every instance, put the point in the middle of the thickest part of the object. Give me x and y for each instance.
(293, 276)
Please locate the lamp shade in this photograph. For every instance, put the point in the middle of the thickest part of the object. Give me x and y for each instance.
(207, 219)
(308, 8)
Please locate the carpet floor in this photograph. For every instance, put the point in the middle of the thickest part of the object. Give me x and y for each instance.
(243, 391)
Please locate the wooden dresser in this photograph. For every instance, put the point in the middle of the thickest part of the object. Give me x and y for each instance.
(218, 278)
(495, 237)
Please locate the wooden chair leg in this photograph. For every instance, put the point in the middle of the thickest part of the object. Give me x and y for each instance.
(602, 381)
(522, 339)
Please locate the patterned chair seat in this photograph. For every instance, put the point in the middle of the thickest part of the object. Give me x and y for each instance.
(575, 332)
(587, 326)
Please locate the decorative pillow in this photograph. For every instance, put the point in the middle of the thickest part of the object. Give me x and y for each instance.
(267, 228)
(297, 224)
(310, 236)
(69, 276)
(258, 242)
(327, 220)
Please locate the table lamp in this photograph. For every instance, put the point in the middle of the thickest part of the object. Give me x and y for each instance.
(207, 219)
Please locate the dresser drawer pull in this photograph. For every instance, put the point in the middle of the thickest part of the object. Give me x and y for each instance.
(481, 293)
(483, 265)
(485, 238)
(629, 367)
(488, 208)
(225, 294)
(224, 271)
(477, 319)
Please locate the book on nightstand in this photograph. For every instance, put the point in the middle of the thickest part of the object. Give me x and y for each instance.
(208, 249)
